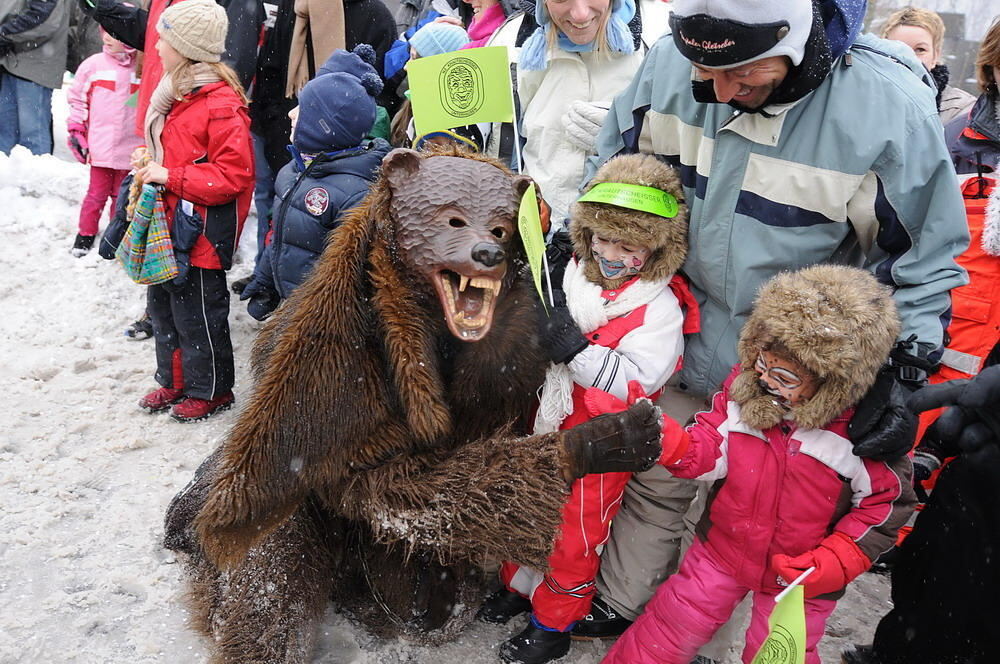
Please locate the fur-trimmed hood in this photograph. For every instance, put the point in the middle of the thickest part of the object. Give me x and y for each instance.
(837, 321)
(666, 237)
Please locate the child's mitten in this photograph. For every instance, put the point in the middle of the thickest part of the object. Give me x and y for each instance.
(76, 139)
(837, 559)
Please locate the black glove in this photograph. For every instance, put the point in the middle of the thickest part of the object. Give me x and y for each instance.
(561, 336)
(263, 299)
(883, 427)
(558, 253)
(972, 419)
(624, 442)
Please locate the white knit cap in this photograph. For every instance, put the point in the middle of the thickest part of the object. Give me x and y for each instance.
(196, 29)
(730, 33)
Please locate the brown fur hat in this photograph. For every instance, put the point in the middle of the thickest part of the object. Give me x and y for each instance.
(837, 321)
(666, 237)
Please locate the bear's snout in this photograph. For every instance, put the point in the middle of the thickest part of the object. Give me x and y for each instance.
(488, 253)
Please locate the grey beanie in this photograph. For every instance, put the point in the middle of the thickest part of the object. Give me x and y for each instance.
(196, 29)
(730, 33)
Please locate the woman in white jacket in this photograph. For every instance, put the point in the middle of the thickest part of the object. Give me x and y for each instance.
(581, 54)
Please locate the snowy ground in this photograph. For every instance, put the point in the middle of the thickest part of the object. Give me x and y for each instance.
(85, 476)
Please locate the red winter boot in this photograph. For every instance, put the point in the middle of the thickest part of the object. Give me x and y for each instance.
(160, 399)
(192, 409)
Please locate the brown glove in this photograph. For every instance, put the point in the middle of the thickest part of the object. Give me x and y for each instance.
(624, 442)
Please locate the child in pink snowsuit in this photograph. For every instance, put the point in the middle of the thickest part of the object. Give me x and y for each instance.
(789, 493)
(619, 318)
(102, 129)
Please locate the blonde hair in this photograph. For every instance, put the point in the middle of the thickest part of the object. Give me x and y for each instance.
(989, 57)
(918, 18)
(183, 80)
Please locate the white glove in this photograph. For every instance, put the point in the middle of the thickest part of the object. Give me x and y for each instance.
(583, 122)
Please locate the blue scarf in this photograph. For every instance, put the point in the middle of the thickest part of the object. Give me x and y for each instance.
(534, 53)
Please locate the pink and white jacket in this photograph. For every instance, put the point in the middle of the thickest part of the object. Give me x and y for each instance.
(784, 489)
(102, 85)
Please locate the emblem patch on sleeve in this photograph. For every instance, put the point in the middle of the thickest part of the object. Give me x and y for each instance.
(317, 200)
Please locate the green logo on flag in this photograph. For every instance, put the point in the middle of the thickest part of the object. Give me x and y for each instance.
(786, 642)
(461, 86)
(634, 197)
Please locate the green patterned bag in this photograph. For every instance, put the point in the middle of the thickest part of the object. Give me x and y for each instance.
(146, 252)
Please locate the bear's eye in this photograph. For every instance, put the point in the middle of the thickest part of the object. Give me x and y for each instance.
(456, 223)
(499, 232)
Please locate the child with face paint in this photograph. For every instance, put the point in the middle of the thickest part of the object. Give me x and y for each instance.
(789, 493)
(618, 318)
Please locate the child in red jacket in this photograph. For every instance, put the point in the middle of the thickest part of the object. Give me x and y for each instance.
(789, 492)
(198, 136)
(619, 317)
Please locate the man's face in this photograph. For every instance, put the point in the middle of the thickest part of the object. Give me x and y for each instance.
(747, 86)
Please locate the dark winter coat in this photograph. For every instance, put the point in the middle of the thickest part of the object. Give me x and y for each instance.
(946, 582)
(310, 202)
(974, 139)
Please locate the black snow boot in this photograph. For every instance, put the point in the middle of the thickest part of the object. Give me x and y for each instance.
(141, 329)
(503, 605)
(534, 645)
(82, 244)
(603, 622)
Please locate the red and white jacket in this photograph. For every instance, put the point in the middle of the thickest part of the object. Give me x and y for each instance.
(101, 86)
(784, 489)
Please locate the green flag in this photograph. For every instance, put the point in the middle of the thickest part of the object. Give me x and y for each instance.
(461, 88)
(133, 100)
(529, 226)
(786, 642)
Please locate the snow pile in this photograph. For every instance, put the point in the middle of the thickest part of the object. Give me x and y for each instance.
(85, 477)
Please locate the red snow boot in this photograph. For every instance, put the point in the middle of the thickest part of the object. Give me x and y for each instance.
(193, 409)
(160, 399)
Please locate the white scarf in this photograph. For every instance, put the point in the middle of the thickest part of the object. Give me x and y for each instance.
(162, 100)
(590, 311)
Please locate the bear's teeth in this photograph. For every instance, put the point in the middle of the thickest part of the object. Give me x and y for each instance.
(463, 281)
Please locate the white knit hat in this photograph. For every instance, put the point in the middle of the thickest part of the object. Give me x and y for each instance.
(730, 33)
(196, 29)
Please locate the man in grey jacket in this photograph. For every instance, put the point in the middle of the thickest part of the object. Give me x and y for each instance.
(798, 142)
(33, 37)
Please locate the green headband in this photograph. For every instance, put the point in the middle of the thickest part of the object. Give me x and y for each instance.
(634, 197)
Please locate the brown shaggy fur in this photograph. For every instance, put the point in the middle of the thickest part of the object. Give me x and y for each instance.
(837, 321)
(666, 237)
(371, 427)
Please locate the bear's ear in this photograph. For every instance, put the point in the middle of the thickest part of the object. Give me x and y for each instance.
(400, 165)
(521, 184)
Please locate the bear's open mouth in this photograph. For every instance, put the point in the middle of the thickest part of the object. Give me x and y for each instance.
(468, 303)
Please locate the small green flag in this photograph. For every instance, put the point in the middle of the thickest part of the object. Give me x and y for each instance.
(461, 88)
(529, 226)
(133, 100)
(786, 642)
